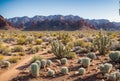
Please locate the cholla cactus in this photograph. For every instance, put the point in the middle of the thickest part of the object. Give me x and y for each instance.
(63, 60)
(115, 56)
(81, 71)
(86, 62)
(106, 68)
(64, 70)
(58, 49)
(102, 43)
(6, 63)
(43, 63)
(35, 69)
(92, 55)
(51, 72)
(49, 62)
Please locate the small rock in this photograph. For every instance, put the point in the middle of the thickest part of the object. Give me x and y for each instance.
(76, 72)
(99, 76)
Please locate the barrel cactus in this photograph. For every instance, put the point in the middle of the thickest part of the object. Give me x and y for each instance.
(51, 72)
(92, 56)
(63, 60)
(49, 62)
(81, 71)
(105, 68)
(39, 63)
(6, 63)
(43, 63)
(35, 69)
(115, 56)
(64, 70)
(86, 62)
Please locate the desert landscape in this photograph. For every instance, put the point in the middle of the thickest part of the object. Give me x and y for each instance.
(57, 47)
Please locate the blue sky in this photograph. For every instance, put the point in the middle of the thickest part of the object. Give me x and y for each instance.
(92, 9)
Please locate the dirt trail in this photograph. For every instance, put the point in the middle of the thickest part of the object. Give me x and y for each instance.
(12, 72)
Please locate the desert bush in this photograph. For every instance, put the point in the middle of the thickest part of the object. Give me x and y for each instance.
(35, 69)
(64, 70)
(17, 49)
(86, 62)
(38, 41)
(9, 40)
(105, 68)
(92, 56)
(82, 71)
(22, 53)
(51, 73)
(43, 63)
(1, 57)
(4, 50)
(6, 64)
(34, 49)
(14, 59)
(21, 41)
(36, 57)
(115, 56)
(65, 38)
(49, 62)
(71, 55)
(102, 42)
(64, 60)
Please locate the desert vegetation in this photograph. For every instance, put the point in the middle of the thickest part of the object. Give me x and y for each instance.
(86, 55)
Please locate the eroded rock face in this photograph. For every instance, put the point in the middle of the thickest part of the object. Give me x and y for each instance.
(4, 24)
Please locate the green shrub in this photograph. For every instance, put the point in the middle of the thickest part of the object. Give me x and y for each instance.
(92, 55)
(14, 59)
(51, 73)
(34, 49)
(38, 41)
(17, 49)
(6, 63)
(105, 68)
(86, 62)
(21, 41)
(115, 56)
(21, 53)
(82, 71)
(35, 69)
(36, 57)
(64, 70)
(64, 60)
(71, 55)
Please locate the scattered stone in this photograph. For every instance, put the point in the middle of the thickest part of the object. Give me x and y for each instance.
(76, 72)
(99, 76)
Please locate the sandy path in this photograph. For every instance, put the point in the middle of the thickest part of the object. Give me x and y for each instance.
(12, 72)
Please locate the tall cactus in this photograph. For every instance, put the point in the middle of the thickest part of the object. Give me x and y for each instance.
(58, 49)
(102, 42)
(35, 69)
